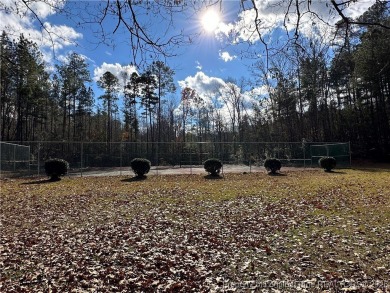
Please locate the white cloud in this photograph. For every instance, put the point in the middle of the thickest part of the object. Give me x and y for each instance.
(63, 58)
(203, 84)
(16, 18)
(243, 29)
(206, 87)
(85, 57)
(271, 15)
(44, 9)
(214, 91)
(59, 36)
(198, 65)
(357, 9)
(224, 29)
(116, 69)
(260, 92)
(225, 56)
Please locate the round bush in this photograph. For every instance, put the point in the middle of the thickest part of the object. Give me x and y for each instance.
(140, 166)
(272, 165)
(327, 163)
(213, 166)
(56, 168)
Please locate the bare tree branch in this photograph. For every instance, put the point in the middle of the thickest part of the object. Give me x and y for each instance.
(257, 22)
(349, 21)
(138, 20)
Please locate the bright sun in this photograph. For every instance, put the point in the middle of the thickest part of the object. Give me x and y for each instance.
(210, 20)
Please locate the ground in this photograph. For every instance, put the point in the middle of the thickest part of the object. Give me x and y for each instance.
(176, 170)
(305, 230)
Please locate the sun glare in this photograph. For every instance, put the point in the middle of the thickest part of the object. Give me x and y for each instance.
(210, 20)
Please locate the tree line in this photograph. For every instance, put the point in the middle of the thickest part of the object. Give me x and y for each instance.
(310, 90)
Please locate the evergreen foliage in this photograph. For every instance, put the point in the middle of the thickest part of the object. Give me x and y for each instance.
(140, 166)
(327, 163)
(273, 165)
(213, 166)
(55, 168)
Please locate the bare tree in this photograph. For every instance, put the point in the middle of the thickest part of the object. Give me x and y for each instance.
(232, 97)
(137, 19)
(187, 97)
(259, 19)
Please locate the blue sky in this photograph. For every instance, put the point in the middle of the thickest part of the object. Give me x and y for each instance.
(211, 58)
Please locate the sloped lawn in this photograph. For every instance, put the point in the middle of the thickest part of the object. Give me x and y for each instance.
(309, 230)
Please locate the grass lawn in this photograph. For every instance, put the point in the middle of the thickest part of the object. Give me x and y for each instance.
(310, 230)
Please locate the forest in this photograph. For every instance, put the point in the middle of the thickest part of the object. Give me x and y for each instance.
(317, 91)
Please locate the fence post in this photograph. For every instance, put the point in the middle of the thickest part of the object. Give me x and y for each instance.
(156, 158)
(350, 153)
(190, 158)
(81, 158)
(304, 152)
(120, 157)
(14, 158)
(39, 156)
(29, 159)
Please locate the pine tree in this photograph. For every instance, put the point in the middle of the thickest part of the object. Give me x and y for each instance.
(73, 76)
(110, 83)
(164, 85)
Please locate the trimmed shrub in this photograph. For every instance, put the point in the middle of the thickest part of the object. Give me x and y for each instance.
(140, 166)
(213, 166)
(272, 165)
(327, 163)
(56, 168)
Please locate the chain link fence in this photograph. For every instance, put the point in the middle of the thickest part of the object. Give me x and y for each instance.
(86, 157)
(340, 151)
(14, 158)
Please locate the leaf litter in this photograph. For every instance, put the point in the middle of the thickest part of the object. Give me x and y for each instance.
(307, 231)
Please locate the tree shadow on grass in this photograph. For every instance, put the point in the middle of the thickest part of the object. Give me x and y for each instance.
(135, 179)
(276, 174)
(371, 170)
(45, 181)
(335, 172)
(213, 177)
